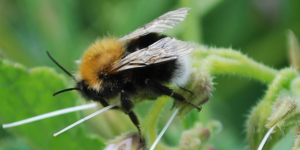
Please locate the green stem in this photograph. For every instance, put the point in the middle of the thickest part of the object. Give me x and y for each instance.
(227, 61)
(282, 80)
(150, 122)
(295, 87)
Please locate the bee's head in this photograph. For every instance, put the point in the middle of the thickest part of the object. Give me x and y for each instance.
(84, 89)
(87, 92)
(96, 61)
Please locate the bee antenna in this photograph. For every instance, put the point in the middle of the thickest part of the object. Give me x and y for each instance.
(65, 90)
(62, 68)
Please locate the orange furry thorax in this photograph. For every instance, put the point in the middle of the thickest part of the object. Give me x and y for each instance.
(103, 54)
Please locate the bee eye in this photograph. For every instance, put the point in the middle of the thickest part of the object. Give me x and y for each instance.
(79, 86)
(102, 75)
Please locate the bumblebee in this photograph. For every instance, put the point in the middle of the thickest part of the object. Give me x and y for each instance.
(136, 66)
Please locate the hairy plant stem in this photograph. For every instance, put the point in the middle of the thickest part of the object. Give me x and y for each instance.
(227, 61)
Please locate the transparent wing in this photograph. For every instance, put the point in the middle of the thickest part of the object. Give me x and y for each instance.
(165, 21)
(164, 50)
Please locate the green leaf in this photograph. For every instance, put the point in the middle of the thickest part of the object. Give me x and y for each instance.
(27, 93)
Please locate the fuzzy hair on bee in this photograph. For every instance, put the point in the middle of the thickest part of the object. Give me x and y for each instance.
(138, 65)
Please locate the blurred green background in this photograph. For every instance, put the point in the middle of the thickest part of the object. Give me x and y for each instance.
(66, 28)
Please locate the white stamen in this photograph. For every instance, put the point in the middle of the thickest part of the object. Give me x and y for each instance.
(265, 138)
(86, 118)
(51, 114)
(164, 130)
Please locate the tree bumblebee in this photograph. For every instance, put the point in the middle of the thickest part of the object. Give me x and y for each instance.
(136, 66)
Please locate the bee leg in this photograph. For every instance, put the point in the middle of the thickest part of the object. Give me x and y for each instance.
(104, 103)
(127, 106)
(136, 122)
(186, 90)
(163, 90)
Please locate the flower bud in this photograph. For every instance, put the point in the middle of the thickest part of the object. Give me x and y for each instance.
(189, 141)
(195, 138)
(215, 126)
(197, 91)
(286, 112)
(128, 141)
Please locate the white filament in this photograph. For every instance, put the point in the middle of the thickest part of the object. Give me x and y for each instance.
(164, 129)
(51, 114)
(265, 138)
(87, 117)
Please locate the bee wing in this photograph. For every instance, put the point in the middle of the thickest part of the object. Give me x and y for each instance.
(165, 21)
(164, 50)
